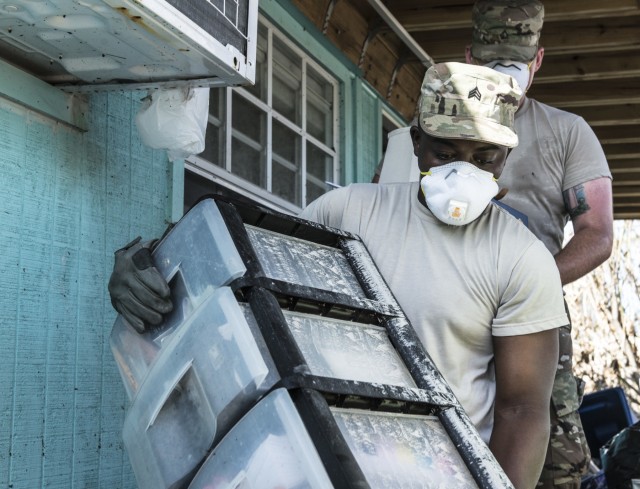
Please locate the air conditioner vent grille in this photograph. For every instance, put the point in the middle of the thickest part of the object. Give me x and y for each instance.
(103, 44)
(226, 20)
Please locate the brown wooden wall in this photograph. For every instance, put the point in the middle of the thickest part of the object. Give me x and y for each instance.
(385, 62)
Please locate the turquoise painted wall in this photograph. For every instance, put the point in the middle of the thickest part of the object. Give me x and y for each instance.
(368, 131)
(69, 199)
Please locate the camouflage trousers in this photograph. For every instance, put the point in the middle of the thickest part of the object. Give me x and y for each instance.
(568, 453)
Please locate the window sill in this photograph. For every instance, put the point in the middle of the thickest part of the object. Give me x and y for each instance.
(32, 93)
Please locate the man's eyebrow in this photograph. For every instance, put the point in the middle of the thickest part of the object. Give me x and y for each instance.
(453, 145)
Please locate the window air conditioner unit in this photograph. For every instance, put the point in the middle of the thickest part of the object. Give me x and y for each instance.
(86, 45)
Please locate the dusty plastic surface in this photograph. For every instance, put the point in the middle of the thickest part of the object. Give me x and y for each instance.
(206, 377)
(127, 42)
(269, 448)
(347, 350)
(192, 377)
(395, 451)
(196, 257)
(305, 263)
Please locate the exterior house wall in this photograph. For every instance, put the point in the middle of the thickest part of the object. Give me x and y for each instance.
(69, 199)
(368, 132)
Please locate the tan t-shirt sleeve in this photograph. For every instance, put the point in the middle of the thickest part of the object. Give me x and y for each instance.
(531, 295)
(585, 159)
(327, 209)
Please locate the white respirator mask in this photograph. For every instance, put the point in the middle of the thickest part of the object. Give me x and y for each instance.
(458, 192)
(516, 69)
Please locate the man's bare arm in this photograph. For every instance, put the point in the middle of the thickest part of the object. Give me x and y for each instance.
(525, 368)
(591, 209)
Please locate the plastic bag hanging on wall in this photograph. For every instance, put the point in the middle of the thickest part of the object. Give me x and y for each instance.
(174, 119)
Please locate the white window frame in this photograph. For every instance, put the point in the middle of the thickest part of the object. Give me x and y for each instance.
(391, 118)
(223, 174)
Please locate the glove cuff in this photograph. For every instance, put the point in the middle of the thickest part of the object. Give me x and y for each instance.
(129, 245)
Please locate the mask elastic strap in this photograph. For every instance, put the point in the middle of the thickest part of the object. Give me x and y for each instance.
(424, 174)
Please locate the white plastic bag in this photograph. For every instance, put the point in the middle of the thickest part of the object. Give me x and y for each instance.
(174, 119)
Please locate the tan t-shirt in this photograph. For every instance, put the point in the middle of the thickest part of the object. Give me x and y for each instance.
(458, 285)
(557, 150)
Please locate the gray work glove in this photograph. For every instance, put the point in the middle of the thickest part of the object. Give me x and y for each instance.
(138, 291)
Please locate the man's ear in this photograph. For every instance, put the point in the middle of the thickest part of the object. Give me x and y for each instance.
(538, 59)
(414, 132)
(467, 54)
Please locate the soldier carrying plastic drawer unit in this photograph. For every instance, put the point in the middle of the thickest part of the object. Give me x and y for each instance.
(482, 292)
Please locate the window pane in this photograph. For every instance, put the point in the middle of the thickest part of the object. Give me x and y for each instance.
(260, 87)
(248, 147)
(216, 102)
(214, 146)
(287, 82)
(319, 171)
(248, 119)
(286, 182)
(319, 107)
(286, 143)
(246, 163)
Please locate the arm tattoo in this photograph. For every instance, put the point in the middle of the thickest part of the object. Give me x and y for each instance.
(575, 201)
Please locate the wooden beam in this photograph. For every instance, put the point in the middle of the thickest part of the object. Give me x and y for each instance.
(625, 215)
(622, 181)
(327, 16)
(423, 18)
(626, 212)
(612, 115)
(622, 151)
(558, 38)
(629, 200)
(375, 26)
(559, 10)
(347, 35)
(627, 191)
(591, 66)
(421, 15)
(626, 208)
(591, 35)
(632, 182)
(588, 93)
(629, 203)
(314, 10)
(622, 168)
(618, 134)
(401, 32)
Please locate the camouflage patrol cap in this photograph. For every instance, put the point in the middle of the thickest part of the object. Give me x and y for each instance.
(463, 101)
(506, 29)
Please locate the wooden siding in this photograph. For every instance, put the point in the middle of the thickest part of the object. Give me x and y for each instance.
(386, 64)
(69, 200)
